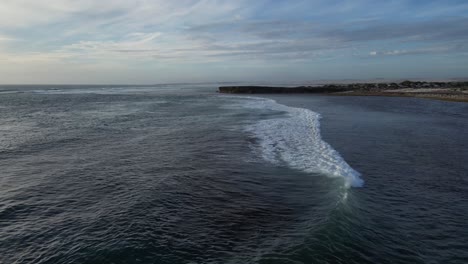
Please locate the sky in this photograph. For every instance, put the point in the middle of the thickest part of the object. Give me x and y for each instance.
(160, 41)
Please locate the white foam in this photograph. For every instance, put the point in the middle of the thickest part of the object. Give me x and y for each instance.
(294, 138)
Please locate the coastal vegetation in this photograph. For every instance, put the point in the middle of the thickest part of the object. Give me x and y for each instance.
(454, 91)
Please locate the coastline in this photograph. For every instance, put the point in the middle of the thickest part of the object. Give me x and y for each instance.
(446, 91)
(463, 98)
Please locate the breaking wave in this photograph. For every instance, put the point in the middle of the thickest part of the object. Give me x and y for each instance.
(295, 139)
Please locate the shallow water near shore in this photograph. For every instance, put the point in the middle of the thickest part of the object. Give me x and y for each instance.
(182, 174)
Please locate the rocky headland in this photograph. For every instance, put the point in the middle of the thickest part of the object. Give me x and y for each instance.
(453, 91)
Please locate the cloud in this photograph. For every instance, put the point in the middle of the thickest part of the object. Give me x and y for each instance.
(215, 27)
(305, 39)
(159, 32)
(123, 13)
(356, 31)
(426, 30)
(423, 51)
(5, 38)
(134, 41)
(5, 42)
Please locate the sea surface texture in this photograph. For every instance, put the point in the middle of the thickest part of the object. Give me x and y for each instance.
(181, 174)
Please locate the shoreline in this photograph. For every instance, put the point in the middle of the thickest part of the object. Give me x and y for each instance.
(445, 91)
(463, 98)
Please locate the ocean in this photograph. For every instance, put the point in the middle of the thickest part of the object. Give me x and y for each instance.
(183, 174)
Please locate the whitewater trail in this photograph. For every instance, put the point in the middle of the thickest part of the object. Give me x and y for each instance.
(295, 139)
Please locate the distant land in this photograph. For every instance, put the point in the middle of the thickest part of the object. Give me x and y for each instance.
(451, 91)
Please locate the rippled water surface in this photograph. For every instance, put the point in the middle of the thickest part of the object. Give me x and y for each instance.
(181, 174)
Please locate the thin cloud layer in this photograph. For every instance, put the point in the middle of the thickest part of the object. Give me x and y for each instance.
(171, 41)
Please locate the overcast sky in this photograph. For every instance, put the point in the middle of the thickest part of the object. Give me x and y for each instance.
(160, 41)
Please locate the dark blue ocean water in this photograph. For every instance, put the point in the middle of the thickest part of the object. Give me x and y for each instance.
(182, 174)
